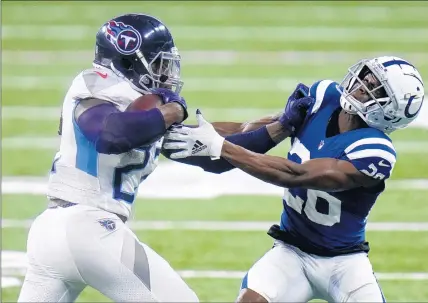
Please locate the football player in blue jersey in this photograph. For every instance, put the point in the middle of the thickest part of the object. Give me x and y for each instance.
(336, 168)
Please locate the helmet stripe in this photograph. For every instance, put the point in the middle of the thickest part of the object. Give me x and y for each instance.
(397, 62)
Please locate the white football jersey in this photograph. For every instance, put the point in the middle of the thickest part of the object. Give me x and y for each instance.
(82, 175)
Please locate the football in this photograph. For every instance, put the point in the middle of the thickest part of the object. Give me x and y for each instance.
(145, 102)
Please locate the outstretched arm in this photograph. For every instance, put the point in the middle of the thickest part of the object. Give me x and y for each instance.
(232, 128)
(260, 140)
(321, 174)
(357, 167)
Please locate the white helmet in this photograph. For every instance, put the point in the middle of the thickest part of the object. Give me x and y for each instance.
(404, 93)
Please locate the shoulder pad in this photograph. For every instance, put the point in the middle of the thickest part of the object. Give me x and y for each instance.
(105, 85)
(324, 92)
(97, 80)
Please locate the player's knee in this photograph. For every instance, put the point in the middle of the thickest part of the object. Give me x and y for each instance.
(248, 295)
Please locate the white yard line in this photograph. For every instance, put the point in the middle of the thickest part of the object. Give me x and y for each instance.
(216, 11)
(215, 57)
(226, 274)
(231, 33)
(7, 282)
(204, 185)
(244, 226)
(199, 84)
(52, 143)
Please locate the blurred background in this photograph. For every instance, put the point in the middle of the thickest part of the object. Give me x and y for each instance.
(241, 60)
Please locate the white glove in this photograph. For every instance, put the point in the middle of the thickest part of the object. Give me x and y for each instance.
(194, 141)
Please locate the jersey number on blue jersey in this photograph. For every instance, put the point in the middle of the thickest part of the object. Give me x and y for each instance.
(309, 206)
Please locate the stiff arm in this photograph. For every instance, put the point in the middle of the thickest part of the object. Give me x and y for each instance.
(231, 128)
(325, 174)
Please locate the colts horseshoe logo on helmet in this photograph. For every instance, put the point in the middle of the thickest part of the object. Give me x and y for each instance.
(124, 37)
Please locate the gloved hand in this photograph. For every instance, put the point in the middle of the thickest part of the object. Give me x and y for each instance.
(300, 91)
(169, 96)
(296, 109)
(194, 141)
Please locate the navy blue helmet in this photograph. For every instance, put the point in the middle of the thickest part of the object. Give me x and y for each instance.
(140, 49)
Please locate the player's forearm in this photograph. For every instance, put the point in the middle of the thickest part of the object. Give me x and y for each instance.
(115, 132)
(271, 169)
(228, 128)
(216, 167)
(172, 113)
(256, 124)
(318, 174)
(277, 132)
(232, 128)
(126, 131)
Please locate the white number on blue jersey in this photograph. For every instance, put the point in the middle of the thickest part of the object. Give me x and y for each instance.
(296, 203)
(334, 206)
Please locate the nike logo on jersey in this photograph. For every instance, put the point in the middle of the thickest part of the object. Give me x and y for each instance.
(197, 147)
(381, 163)
(102, 75)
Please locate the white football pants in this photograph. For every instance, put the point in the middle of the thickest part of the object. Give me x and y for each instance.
(70, 248)
(286, 274)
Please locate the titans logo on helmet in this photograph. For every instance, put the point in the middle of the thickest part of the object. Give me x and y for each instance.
(124, 38)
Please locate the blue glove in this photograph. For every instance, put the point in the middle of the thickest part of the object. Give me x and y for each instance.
(300, 91)
(296, 109)
(169, 96)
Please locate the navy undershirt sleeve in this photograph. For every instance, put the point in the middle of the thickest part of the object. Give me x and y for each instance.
(116, 132)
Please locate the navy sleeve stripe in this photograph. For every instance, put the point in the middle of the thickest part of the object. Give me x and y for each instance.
(372, 153)
(380, 141)
(374, 146)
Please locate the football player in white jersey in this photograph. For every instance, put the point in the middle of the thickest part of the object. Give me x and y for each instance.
(335, 171)
(105, 153)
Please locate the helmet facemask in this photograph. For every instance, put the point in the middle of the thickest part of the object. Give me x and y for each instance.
(163, 71)
(366, 93)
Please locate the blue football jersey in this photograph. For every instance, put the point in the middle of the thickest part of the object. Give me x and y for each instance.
(334, 220)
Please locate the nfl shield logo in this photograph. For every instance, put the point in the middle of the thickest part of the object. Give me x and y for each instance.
(321, 144)
(108, 224)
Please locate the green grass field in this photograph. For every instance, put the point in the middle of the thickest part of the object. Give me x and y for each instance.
(240, 61)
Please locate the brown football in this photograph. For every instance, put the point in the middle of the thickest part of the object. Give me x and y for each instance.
(145, 102)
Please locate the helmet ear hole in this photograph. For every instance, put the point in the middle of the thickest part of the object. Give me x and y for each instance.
(125, 63)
